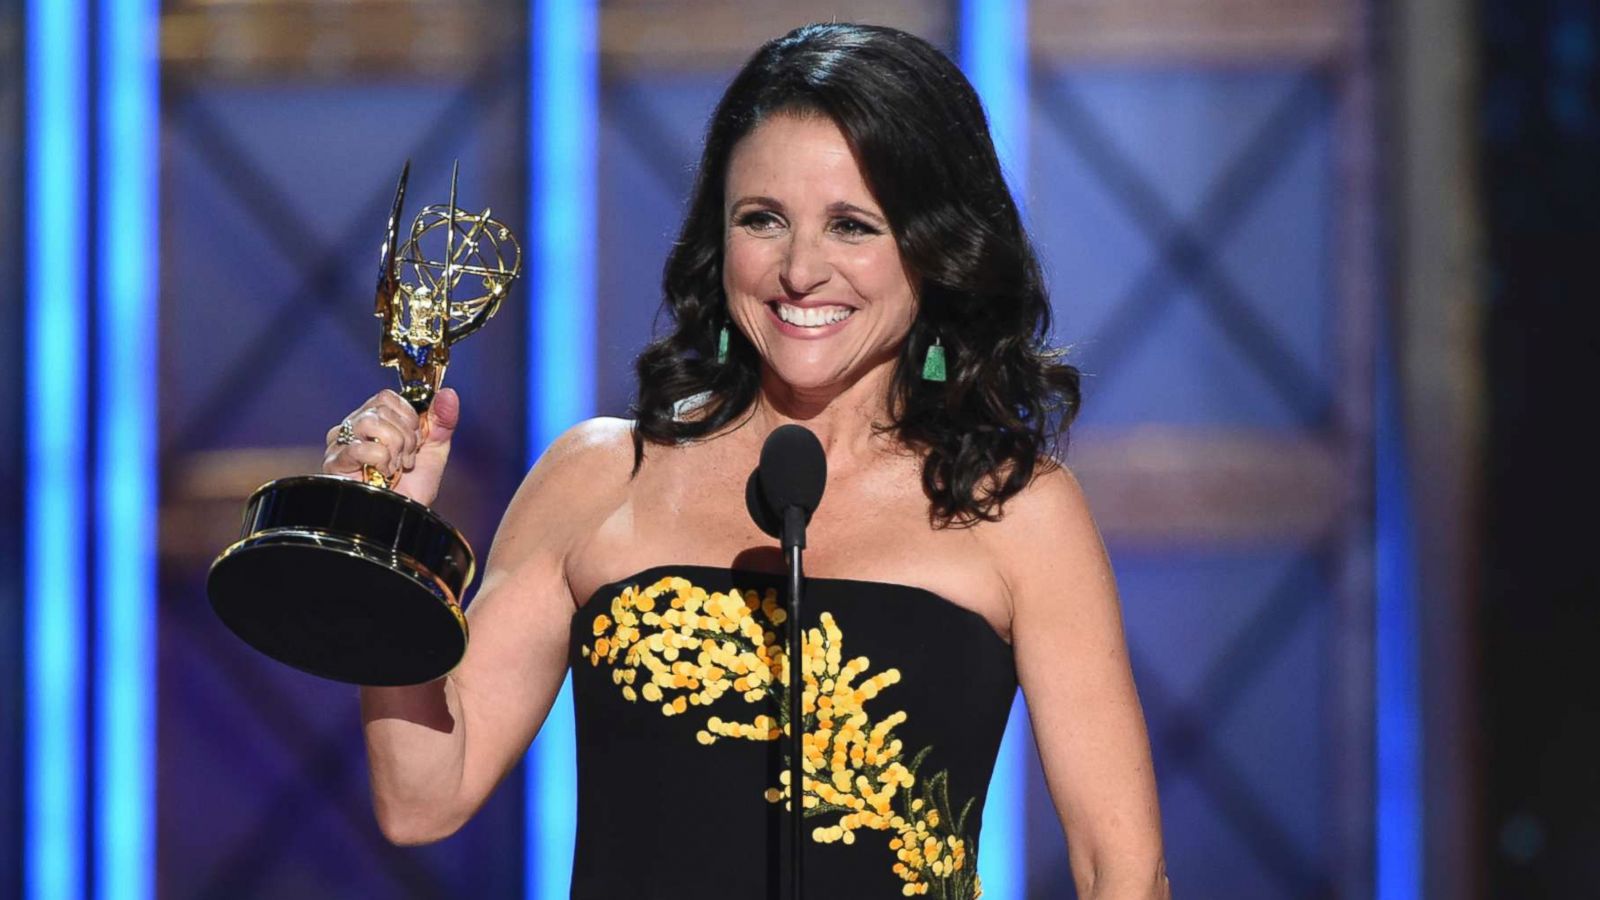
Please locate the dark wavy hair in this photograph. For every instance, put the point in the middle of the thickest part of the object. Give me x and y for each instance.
(920, 137)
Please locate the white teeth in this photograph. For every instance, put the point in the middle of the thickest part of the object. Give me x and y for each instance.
(813, 316)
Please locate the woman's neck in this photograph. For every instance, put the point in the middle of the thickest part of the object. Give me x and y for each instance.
(845, 418)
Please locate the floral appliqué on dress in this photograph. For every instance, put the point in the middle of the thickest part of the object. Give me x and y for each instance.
(682, 647)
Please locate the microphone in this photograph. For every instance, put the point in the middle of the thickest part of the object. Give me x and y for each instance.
(781, 495)
(786, 487)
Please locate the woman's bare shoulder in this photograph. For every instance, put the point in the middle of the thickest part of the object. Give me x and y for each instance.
(580, 478)
(587, 461)
(602, 440)
(1045, 527)
(1053, 491)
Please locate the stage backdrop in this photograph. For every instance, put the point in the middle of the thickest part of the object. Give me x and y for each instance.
(283, 132)
(1199, 183)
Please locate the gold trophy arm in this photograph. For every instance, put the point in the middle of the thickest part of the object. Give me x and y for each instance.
(495, 280)
(420, 365)
(422, 317)
(421, 369)
(388, 259)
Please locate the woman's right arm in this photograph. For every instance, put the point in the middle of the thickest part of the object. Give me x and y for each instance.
(437, 750)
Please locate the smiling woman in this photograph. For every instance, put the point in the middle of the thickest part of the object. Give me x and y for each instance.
(812, 275)
(904, 196)
(849, 214)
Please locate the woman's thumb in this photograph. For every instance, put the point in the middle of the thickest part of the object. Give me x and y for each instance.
(443, 415)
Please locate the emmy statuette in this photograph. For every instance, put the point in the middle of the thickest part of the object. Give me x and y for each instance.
(342, 577)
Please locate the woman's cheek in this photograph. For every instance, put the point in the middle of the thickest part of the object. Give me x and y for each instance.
(741, 269)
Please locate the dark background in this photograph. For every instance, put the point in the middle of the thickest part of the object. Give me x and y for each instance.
(1540, 627)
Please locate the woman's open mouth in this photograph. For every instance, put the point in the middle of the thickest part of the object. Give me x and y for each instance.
(809, 321)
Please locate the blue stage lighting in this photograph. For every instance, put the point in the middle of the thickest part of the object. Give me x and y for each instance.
(994, 55)
(563, 91)
(56, 358)
(125, 488)
(1399, 726)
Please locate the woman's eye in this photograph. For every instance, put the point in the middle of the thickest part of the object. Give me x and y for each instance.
(854, 228)
(757, 220)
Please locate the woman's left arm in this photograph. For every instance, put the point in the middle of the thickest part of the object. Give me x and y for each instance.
(1072, 663)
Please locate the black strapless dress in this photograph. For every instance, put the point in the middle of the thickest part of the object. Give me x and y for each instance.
(678, 678)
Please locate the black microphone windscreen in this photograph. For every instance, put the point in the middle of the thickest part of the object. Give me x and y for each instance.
(793, 469)
(765, 519)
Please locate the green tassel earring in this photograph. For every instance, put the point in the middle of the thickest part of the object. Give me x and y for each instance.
(722, 345)
(933, 364)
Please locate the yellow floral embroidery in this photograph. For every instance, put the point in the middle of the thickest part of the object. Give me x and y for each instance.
(689, 648)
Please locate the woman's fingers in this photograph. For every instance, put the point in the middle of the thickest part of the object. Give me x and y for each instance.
(383, 433)
(394, 408)
(349, 459)
(396, 404)
(370, 429)
(387, 427)
(370, 453)
(388, 435)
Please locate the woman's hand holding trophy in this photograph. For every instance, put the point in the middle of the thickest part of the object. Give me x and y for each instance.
(407, 448)
(354, 577)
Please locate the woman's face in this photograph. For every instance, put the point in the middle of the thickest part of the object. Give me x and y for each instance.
(812, 273)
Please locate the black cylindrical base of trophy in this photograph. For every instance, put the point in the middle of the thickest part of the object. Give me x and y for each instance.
(345, 581)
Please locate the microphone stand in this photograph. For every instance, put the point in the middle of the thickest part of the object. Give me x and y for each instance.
(781, 494)
(794, 541)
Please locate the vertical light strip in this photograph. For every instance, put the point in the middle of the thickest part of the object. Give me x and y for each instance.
(1003, 841)
(55, 210)
(563, 99)
(125, 490)
(994, 54)
(564, 92)
(1399, 713)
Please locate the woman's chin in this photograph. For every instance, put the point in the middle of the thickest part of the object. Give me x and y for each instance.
(815, 385)
(809, 376)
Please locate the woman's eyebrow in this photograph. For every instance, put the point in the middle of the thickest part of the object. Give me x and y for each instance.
(843, 207)
(755, 200)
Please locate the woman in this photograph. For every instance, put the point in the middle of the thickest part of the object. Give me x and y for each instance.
(852, 261)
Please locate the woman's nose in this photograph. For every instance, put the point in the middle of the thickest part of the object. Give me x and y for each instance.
(805, 267)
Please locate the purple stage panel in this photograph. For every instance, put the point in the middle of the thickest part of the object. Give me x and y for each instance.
(275, 197)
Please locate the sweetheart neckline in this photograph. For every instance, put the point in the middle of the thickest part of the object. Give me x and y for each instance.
(666, 568)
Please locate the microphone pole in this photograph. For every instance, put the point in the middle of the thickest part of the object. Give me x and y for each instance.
(794, 540)
(781, 495)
